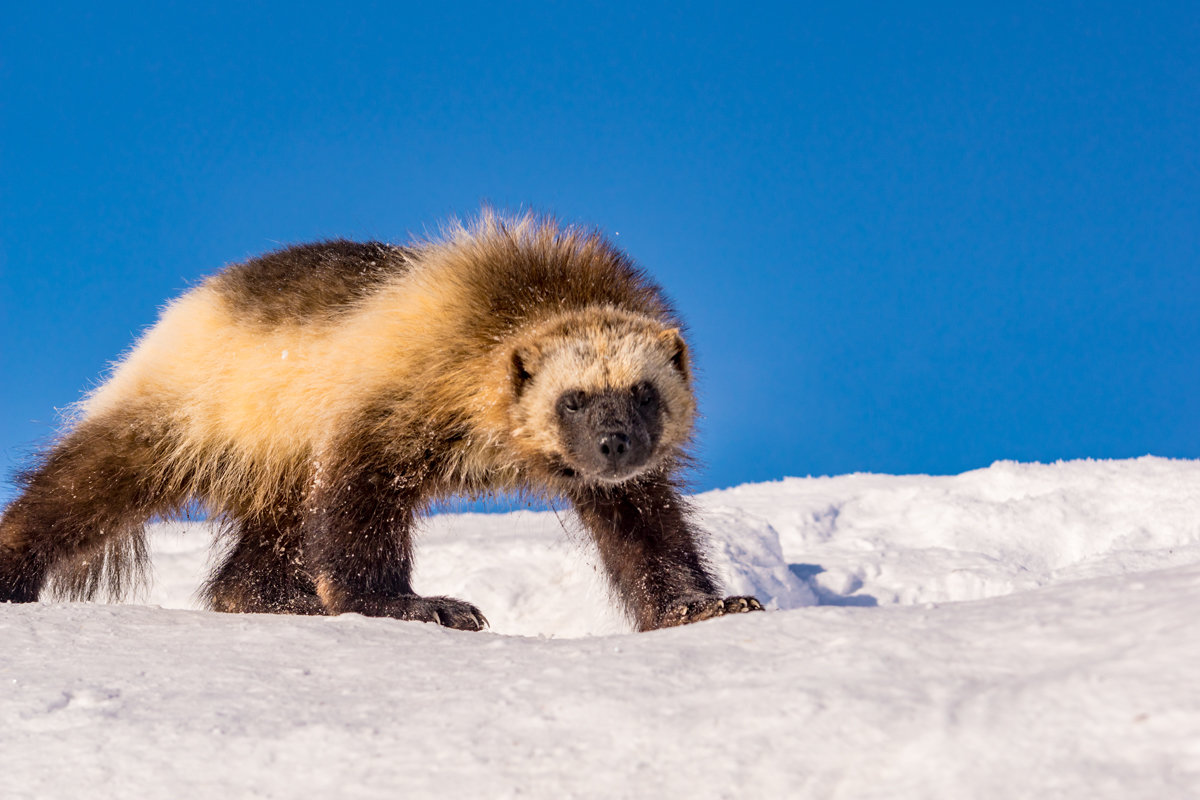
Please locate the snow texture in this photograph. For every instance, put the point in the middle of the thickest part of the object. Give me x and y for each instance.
(1017, 631)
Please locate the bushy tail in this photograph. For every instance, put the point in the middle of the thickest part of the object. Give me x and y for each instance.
(115, 570)
(77, 528)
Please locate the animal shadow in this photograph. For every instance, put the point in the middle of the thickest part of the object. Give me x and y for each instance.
(825, 597)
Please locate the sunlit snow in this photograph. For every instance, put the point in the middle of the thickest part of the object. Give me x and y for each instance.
(1014, 631)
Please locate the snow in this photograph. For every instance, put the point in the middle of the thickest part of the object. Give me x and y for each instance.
(1020, 629)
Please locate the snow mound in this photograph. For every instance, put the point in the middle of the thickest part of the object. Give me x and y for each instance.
(883, 539)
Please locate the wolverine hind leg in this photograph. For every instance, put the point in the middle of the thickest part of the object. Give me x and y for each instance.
(262, 572)
(79, 519)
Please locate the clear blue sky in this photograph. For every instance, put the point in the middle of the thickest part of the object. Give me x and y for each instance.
(907, 237)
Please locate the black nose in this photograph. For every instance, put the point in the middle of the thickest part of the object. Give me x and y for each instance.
(614, 447)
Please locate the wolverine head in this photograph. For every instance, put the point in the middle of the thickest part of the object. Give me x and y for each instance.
(602, 395)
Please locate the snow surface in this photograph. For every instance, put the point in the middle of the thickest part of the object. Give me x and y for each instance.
(1018, 630)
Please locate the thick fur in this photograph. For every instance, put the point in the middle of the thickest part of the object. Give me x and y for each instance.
(320, 397)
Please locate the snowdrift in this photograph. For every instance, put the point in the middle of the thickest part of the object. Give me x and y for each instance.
(1023, 628)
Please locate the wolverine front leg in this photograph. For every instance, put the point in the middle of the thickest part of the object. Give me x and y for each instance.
(650, 550)
(358, 547)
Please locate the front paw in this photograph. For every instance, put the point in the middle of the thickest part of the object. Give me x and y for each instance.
(695, 609)
(445, 611)
(451, 613)
(742, 605)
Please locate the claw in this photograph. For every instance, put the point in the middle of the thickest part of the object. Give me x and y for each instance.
(742, 605)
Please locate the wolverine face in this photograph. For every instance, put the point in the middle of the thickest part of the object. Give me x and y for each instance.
(610, 434)
(602, 401)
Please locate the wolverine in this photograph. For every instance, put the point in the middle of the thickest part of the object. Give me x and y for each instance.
(318, 399)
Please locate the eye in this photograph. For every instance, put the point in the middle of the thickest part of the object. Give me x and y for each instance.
(571, 402)
(644, 393)
(520, 374)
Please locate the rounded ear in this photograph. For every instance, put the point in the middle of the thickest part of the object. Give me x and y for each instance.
(521, 366)
(678, 348)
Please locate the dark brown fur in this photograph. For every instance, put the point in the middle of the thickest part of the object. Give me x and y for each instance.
(304, 281)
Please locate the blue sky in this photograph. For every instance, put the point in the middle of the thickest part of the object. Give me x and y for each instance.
(906, 239)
